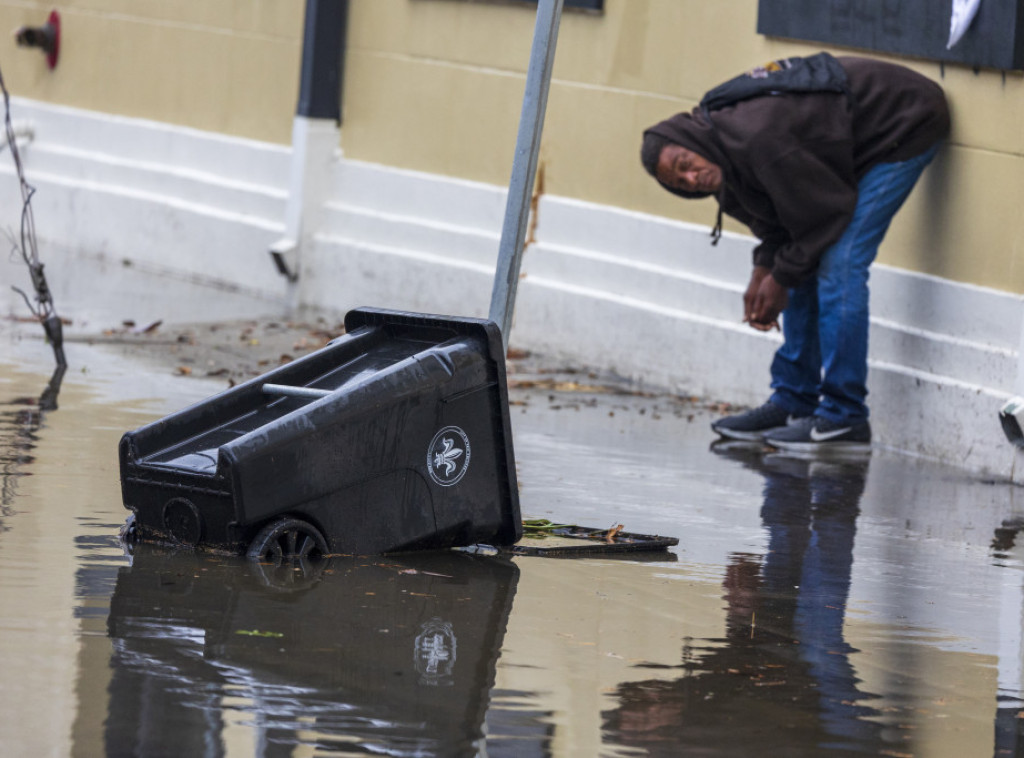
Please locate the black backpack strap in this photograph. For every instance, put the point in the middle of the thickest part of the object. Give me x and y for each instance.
(815, 73)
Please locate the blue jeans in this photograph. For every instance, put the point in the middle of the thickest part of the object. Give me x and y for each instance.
(822, 366)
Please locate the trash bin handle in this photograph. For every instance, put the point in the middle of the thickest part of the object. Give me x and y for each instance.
(290, 391)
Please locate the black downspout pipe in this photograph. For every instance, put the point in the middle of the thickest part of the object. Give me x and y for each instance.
(320, 84)
(323, 59)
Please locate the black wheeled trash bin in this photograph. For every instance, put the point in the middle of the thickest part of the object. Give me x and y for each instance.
(393, 437)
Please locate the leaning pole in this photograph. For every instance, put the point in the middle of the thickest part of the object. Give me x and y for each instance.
(524, 165)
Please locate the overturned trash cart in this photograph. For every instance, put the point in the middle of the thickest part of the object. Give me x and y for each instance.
(395, 436)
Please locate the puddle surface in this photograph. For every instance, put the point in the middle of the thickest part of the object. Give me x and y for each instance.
(809, 609)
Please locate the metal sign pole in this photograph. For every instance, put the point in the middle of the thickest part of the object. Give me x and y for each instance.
(524, 165)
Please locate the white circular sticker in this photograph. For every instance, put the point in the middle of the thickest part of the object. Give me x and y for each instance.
(448, 456)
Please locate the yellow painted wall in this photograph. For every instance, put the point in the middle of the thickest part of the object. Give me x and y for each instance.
(228, 66)
(436, 86)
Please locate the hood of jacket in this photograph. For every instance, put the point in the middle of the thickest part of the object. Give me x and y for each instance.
(694, 132)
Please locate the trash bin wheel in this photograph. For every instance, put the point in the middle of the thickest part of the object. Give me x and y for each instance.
(288, 540)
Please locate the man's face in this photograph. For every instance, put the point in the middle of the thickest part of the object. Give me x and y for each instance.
(683, 169)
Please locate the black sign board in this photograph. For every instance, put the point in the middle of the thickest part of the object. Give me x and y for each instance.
(589, 5)
(586, 5)
(916, 28)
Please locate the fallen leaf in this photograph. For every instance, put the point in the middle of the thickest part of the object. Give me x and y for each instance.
(258, 633)
(149, 329)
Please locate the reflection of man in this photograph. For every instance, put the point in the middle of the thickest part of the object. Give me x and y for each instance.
(809, 559)
(817, 176)
(784, 650)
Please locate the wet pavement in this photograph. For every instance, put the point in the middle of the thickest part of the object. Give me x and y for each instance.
(810, 608)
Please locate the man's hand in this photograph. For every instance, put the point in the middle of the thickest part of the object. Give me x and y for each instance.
(756, 277)
(764, 300)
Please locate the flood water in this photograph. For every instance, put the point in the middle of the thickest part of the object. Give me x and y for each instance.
(809, 608)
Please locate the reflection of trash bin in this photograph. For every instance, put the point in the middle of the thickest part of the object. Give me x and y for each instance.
(393, 658)
(395, 436)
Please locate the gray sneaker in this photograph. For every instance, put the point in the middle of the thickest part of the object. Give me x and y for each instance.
(819, 435)
(754, 424)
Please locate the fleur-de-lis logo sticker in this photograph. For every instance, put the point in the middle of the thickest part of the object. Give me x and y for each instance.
(445, 459)
(448, 456)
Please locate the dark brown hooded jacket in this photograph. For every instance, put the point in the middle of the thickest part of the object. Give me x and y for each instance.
(791, 162)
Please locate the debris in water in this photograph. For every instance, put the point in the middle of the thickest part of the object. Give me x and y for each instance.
(538, 527)
(258, 633)
(425, 573)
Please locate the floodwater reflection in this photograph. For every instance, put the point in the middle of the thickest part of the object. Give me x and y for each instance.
(808, 609)
(392, 656)
(781, 678)
(19, 424)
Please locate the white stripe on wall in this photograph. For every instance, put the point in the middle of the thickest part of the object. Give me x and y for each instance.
(603, 288)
